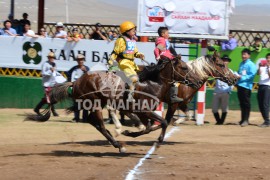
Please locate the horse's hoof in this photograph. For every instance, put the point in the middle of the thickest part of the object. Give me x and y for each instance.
(126, 132)
(117, 132)
(160, 139)
(141, 127)
(178, 121)
(122, 150)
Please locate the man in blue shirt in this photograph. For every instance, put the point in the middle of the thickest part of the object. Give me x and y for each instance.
(221, 97)
(247, 71)
(230, 44)
(8, 30)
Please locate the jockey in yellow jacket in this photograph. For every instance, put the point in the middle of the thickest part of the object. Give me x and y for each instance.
(124, 52)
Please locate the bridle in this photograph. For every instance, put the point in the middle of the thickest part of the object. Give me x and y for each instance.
(222, 75)
(184, 77)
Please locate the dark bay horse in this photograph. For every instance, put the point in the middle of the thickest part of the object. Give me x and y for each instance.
(96, 90)
(202, 68)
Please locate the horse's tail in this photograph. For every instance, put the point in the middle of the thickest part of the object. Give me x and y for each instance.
(57, 94)
(60, 92)
(41, 117)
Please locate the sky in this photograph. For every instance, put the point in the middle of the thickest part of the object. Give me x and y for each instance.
(243, 2)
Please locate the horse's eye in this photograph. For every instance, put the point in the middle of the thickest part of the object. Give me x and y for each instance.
(184, 68)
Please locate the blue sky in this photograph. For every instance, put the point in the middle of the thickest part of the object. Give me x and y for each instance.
(242, 2)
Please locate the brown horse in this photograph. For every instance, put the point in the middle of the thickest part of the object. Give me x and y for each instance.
(96, 90)
(202, 68)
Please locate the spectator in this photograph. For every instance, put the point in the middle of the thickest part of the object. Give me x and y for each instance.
(28, 32)
(246, 72)
(112, 35)
(98, 34)
(8, 30)
(229, 45)
(49, 79)
(257, 46)
(263, 95)
(15, 24)
(60, 33)
(221, 97)
(43, 33)
(25, 20)
(74, 36)
(73, 74)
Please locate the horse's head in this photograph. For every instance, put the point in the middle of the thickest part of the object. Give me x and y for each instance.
(221, 71)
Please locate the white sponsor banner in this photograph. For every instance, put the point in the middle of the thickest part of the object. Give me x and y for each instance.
(31, 53)
(184, 18)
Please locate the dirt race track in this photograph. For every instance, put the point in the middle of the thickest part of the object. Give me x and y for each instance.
(59, 149)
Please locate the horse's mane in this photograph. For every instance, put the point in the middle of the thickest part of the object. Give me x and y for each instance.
(201, 66)
(152, 72)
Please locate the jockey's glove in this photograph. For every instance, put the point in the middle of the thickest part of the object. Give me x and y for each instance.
(141, 56)
(110, 62)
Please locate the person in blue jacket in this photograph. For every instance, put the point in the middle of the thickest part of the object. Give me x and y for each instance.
(247, 71)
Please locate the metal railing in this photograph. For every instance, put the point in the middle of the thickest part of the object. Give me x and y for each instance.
(246, 38)
(84, 29)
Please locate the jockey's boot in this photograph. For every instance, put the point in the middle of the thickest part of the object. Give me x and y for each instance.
(217, 118)
(39, 106)
(173, 95)
(131, 92)
(134, 79)
(53, 111)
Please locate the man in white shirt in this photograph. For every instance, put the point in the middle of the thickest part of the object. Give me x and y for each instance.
(73, 74)
(60, 33)
(263, 95)
(49, 79)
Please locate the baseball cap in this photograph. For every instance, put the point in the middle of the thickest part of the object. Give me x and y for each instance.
(226, 58)
(98, 24)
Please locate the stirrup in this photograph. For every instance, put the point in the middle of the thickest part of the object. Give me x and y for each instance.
(130, 97)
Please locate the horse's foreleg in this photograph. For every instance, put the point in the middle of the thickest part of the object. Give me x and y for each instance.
(96, 119)
(118, 125)
(184, 108)
(137, 120)
(153, 116)
(170, 112)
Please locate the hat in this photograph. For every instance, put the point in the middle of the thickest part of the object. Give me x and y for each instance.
(51, 54)
(25, 14)
(59, 24)
(80, 56)
(226, 58)
(74, 29)
(98, 25)
(257, 38)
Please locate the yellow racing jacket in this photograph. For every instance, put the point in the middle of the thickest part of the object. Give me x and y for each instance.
(125, 48)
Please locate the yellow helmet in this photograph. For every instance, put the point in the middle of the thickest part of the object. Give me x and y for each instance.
(125, 26)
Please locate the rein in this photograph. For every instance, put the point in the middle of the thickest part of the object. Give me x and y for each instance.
(185, 81)
(223, 75)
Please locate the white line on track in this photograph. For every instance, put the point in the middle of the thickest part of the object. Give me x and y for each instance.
(132, 172)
